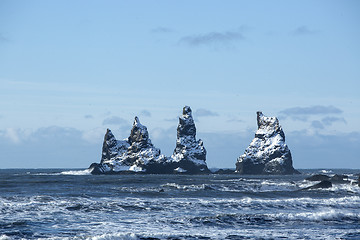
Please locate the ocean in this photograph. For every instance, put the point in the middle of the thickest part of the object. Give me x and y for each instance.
(72, 204)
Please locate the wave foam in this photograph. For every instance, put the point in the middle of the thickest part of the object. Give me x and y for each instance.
(78, 172)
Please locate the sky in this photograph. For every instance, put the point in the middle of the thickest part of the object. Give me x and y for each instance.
(71, 69)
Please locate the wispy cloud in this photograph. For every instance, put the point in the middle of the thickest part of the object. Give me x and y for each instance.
(330, 120)
(326, 121)
(13, 135)
(145, 113)
(304, 30)
(49, 147)
(201, 112)
(213, 38)
(3, 38)
(235, 120)
(317, 124)
(114, 120)
(309, 111)
(175, 120)
(88, 116)
(161, 30)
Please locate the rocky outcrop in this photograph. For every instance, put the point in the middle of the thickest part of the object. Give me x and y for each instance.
(336, 179)
(224, 171)
(137, 154)
(318, 177)
(189, 154)
(322, 184)
(133, 154)
(267, 153)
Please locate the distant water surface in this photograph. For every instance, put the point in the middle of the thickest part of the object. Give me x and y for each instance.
(72, 204)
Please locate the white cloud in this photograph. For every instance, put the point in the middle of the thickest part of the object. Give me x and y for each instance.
(201, 112)
(330, 120)
(68, 147)
(94, 135)
(214, 38)
(145, 113)
(161, 30)
(317, 124)
(12, 135)
(114, 120)
(310, 111)
(304, 30)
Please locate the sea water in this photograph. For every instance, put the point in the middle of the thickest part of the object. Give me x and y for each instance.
(72, 204)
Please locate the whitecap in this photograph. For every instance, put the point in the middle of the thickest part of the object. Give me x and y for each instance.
(4, 237)
(78, 172)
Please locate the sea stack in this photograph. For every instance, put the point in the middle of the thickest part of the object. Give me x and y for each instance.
(189, 154)
(137, 154)
(267, 153)
(133, 154)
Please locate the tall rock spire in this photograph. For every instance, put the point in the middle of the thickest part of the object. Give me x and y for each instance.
(267, 153)
(189, 153)
(138, 154)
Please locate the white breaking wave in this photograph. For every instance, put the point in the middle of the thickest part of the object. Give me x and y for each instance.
(77, 172)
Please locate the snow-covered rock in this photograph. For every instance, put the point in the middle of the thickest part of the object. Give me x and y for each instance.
(189, 153)
(138, 154)
(267, 153)
(133, 154)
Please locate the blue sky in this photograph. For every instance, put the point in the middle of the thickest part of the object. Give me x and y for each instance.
(71, 69)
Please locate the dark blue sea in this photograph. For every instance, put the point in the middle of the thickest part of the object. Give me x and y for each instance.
(71, 204)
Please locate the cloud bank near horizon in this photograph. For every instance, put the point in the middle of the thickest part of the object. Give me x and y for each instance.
(58, 147)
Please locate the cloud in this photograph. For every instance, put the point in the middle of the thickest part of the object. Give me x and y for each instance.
(304, 30)
(213, 38)
(324, 150)
(3, 39)
(12, 135)
(145, 113)
(330, 120)
(201, 112)
(48, 147)
(93, 135)
(235, 120)
(58, 147)
(317, 124)
(161, 30)
(302, 112)
(89, 116)
(114, 120)
(175, 119)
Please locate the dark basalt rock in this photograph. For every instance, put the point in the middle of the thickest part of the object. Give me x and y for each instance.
(190, 154)
(137, 154)
(225, 171)
(339, 179)
(129, 155)
(267, 153)
(322, 184)
(318, 177)
(336, 179)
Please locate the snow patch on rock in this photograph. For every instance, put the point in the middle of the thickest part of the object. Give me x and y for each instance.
(189, 152)
(138, 154)
(131, 154)
(267, 153)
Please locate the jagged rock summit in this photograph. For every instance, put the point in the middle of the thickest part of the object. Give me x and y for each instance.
(138, 154)
(267, 153)
(189, 153)
(133, 154)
